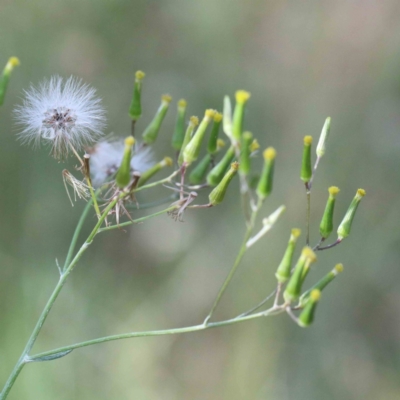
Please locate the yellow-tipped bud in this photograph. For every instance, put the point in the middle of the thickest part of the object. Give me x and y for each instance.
(238, 115)
(265, 183)
(296, 232)
(209, 113)
(217, 117)
(306, 317)
(139, 75)
(361, 192)
(182, 103)
(345, 226)
(135, 109)
(338, 268)
(168, 161)
(145, 176)
(315, 295)
(306, 170)
(13, 62)
(123, 176)
(212, 146)
(215, 176)
(254, 146)
(179, 132)
(269, 154)
(283, 272)
(166, 98)
(308, 140)
(151, 132)
(194, 121)
(245, 162)
(218, 193)
(5, 77)
(220, 144)
(333, 190)
(326, 225)
(130, 141)
(242, 96)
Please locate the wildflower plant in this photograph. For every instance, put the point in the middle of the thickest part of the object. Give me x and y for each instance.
(111, 173)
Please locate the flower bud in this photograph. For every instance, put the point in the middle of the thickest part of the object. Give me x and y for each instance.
(306, 170)
(135, 110)
(199, 173)
(215, 176)
(245, 163)
(5, 77)
(220, 144)
(179, 132)
(218, 193)
(293, 288)
(283, 272)
(123, 176)
(345, 226)
(254, 146)
(145, 176)
(238, 115)
(227, 119)
(321, 284)
(151, 132)
(306, 317)
(192, 150)
(264, 187)
(212, 142)
(326, 225)
(193, 122)
(323, 138)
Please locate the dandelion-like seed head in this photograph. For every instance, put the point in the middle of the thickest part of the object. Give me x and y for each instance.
(64, 113)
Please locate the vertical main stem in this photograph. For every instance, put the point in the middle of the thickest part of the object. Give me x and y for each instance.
(308, 192)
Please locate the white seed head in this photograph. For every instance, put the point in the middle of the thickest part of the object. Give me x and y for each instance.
(61, 113)
(106, 157)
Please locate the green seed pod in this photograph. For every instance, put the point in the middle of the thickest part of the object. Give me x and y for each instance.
(151, 132)
(212, 142)
(326, 225)
(345, 226)
(123, 176)
(323, 138)
(166, 162)
(193, 122)
(135, 110)
(192, 150)
(306, 317)
(265, 183)
(321, 284)
(238, 115)
(199, 173)
(5, 77)
(218, 193)
(293, 288)
(215, 176)
(283, 272)
(179, 132)
(245, 163)
(306, 170)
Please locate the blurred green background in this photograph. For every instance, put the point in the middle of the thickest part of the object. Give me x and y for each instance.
(301, 61)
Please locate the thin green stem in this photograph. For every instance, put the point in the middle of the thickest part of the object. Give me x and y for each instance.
(93, 195)
(194, 328)
(160, 182)
(308, 193)
(242, 251)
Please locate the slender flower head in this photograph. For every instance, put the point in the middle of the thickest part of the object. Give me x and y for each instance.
(64, 113)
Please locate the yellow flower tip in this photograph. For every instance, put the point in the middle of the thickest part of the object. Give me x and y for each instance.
(242, 96)
(209, 113)
(217, 117)
(235, 166)
(194, 121)
(254, 145)
(130, 141)
(338, 268)
(315, 295)
(220, 144)
(247, 135)
(361, 192)
(333, 190)
(309, 254)
(308, 140)
(296, 232)
(139, 75)
(168, 161)
(14, 61)
(182, 103)
(269, 154)
(166, 98)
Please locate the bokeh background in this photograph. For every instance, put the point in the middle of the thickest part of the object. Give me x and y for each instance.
(301, 61)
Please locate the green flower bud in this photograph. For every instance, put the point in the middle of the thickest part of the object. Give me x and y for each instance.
(306, 170)
(151, 132)
(135, 110)
(192, 150)
(179, 132)
(323, 138)
(283, 272)
(123, 176)
(215, 176)
(166, 162)
(264, 187)
(193, 122)
(238, 115)
(245, 163)
(293, 288)
(326, 225)
(5, 77)
(321, 284)
(306, 317)
(199, 173)
(345, 226)
(218, 193)
(212, 142)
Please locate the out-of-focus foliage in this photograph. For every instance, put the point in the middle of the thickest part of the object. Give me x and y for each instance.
(301, 61)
